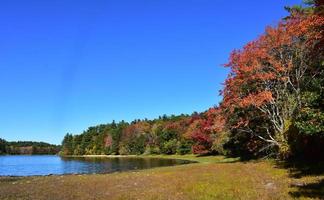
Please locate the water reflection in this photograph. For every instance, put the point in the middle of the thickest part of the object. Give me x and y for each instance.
(45, 165)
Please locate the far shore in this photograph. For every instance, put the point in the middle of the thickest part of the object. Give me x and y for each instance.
(94, 156)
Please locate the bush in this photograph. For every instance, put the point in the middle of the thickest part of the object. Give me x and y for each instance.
(170, 147)
(219, 142)
(149, 150)
(135, 146)
(183, 147)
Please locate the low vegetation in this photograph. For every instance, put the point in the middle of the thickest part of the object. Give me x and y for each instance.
(214, 177)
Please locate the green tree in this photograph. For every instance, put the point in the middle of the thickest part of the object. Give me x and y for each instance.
(2, 146)
(169, 147)
(67, 145)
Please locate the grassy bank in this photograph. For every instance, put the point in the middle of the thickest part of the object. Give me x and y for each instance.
(214, 177)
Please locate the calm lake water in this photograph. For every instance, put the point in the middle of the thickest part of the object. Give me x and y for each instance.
(46, 165)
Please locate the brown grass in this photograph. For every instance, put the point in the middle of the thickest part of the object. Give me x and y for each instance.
(209, 179)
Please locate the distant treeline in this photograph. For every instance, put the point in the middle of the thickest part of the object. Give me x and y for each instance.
(27, 147)
(180, 134)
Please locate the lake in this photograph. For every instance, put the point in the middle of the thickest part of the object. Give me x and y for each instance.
(34, 165)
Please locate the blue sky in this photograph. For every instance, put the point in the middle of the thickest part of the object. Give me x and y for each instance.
(66, 65)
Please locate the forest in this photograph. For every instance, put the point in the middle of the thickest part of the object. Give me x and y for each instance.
(27, 147)
(273, 104)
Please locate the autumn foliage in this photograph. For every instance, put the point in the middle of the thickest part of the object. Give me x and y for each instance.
(272, 103)
(269, 76)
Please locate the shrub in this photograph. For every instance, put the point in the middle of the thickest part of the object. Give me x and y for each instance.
(170, 147)
(183, 147)
(149, 150)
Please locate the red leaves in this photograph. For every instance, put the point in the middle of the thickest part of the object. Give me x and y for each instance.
(203, 130)
(199, 149)
(201, 137)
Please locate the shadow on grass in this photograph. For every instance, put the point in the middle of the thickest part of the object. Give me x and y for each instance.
(311, 190)
(299, 170)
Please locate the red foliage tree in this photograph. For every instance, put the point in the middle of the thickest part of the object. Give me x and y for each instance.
(204, 130)
(266, 75)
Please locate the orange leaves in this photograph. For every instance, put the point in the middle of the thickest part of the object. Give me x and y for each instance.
(267, 62)
(257, 99)
(316, 35)
(215, 120)
(241, 123)
(311, 27)
(136, 129)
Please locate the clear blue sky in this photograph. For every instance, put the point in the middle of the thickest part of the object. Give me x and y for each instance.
(69, 64)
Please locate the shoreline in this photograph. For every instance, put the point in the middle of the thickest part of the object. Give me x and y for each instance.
(187, 157)
(97, 156)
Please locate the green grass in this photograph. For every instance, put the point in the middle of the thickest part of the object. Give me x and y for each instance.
(200, 159)
(213, 177)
